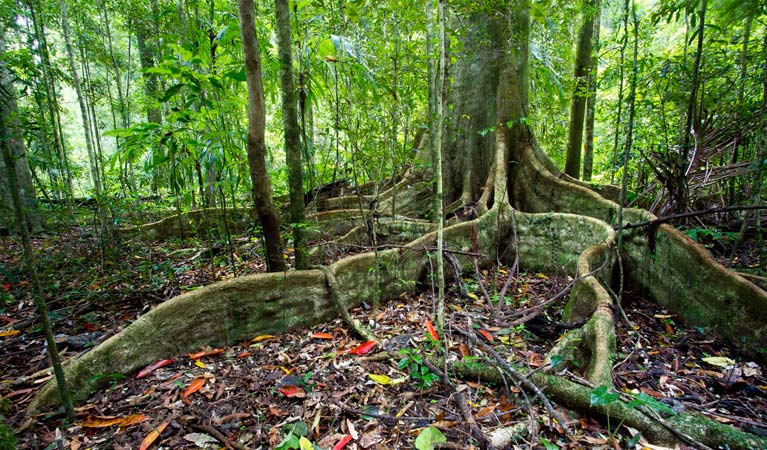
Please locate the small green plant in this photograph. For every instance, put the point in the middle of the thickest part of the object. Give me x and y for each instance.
(418, 371)
(603, 396)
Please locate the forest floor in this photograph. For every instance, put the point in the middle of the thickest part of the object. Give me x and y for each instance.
(324, 382)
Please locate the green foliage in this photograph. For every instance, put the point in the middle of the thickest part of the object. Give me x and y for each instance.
(412, 361)
(428, 439)
(7, 438)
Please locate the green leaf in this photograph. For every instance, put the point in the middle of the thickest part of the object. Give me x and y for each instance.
(602, 396)
(173, 90)
(428, 438)
(237, 75)
(549, 446)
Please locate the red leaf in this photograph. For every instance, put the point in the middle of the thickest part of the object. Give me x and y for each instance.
(154, 366)
(363, 348)
(153, 435)
(244, 354)
(200, 354)
(342, 443)
(432, 331)
(292, 391)
(325, 336)
(486, 335)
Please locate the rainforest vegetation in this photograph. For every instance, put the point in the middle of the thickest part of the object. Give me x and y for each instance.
(318, 224)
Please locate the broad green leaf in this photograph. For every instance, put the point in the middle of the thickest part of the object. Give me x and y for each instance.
(428, 438)
(602, 396)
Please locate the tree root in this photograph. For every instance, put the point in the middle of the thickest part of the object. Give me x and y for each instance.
(354, 324)
(692, 428)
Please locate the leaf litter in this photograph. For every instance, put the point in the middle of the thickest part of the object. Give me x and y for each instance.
(325, 386)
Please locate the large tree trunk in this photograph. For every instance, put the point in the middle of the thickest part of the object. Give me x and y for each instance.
(262, 194)
(13, 141)
(292, 133)
(580, 91)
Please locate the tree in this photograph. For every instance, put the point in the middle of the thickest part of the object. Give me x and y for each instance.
(292, 132)
(262, 195)
(14, 141)
(528, 210)
(580, 90)
(591, 101)
(10, 146)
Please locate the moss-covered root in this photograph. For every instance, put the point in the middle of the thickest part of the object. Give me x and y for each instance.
(695, 428)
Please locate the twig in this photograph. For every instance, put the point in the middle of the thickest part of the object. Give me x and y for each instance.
(476, 431)
(211, 430)
(522, 379)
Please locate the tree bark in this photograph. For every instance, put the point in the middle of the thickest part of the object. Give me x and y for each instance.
(15, 192)
(292, 133)
(580, 91)
(13, 139)
(591, 102)
(262, 195)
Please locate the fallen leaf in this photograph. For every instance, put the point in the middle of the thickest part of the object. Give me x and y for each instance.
(292, 391)
(363, 348)
(464, 349)
(107, 421)
(244, 354)
(472, 296)
(342, 443)
(203, 353)
(153, 435)
(152, 367)
(200, 439)
(432, 331)
(326, 336)
(486, 335)
(193, 387)
(719, 361)
(200, 364)
(8, 333)
(262, 337)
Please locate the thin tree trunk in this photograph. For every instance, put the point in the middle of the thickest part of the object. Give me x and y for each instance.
(256, 146)
(591, 102)
(292, 133)
(580, 91)
(95, 179)
(619, 106)
(29, 259)
(438, 127)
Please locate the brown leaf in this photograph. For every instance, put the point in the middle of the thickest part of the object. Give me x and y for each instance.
(109, 421)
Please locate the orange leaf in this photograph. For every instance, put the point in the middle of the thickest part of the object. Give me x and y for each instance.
(326, 336)
(202, 353)
(464, 349)
(152, 367)
(244, 354)
(342, 443)
(431, 330)
(9, 333)
(153, 435)
(194, 386)
(486, 335)
(103, 421)
(363, 348)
